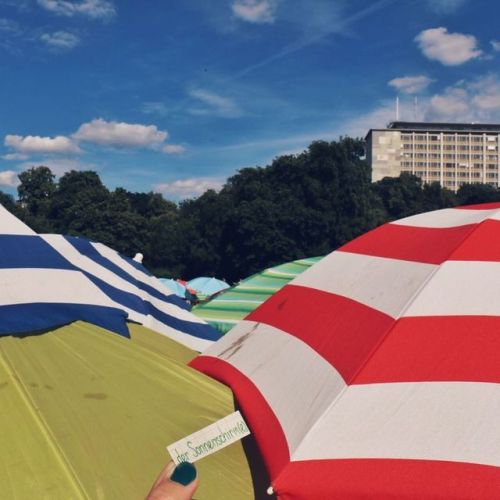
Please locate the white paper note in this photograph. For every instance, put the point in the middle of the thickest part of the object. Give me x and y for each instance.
(210, 439)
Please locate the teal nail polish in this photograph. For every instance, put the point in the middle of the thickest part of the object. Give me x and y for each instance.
(184, 473)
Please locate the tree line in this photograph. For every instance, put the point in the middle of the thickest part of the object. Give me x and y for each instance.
(298, 206)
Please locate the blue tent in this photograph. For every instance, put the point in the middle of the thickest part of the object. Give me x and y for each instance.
(207, 287)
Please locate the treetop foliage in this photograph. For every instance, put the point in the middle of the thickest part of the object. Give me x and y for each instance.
(299, 206)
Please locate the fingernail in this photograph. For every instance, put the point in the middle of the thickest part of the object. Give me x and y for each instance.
(184, 473)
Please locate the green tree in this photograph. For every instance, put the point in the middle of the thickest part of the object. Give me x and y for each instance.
(469, 194)
(35, 191)
(401, 196)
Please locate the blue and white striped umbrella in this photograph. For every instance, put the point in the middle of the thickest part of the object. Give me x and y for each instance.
(51, 280)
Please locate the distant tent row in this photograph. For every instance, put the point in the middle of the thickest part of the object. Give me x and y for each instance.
(227, 309)
(201, 288)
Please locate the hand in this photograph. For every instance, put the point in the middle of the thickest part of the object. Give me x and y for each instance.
(175, 483)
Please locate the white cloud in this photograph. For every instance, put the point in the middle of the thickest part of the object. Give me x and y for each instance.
(452, 105)
(120, 134)
(410, 84)
(450, 49)
(187, 188)
(496, 45)
(255, 11)
(34, 144)
(214, 104)
(377, 118)
(445, 6)
(9, 178)
(466, 101)
(476, 101)
(60, 40)
(15, 157)
(154, 108)
(95, 9)
(173, 149)
(9, 26)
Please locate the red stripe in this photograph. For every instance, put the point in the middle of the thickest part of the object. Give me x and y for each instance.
(258, 414)
(481, 206)
(439, 348)
(482, 244)
(419, 244)
(341, 330)
(386, 479)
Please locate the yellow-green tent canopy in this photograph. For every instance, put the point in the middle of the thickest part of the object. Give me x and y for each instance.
(86, 414)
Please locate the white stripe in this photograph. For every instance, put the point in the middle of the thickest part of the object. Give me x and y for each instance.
(190, 341)
(23, 286)
(380, 283)
(222, 320)
(452, 421)
(460, 288)
(70, 253)
(448, 217)
(10, 224)
(295, 380)
(67, 250)
(172, 309)
(115, 257)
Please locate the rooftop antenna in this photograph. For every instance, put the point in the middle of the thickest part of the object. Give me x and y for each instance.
(397, 108)
(415, 108)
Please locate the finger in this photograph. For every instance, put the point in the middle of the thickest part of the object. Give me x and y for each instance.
(175, 483)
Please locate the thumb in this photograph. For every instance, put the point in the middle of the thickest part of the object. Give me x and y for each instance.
(175, 483)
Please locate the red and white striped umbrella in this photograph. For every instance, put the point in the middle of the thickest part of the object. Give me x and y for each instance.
(376, 372)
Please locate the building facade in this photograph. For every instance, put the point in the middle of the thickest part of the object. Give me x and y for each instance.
(452, 154)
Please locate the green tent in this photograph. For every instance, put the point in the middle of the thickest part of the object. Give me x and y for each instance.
(87, 414)
(225, 310)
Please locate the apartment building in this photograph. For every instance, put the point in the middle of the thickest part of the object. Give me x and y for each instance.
(451, 153)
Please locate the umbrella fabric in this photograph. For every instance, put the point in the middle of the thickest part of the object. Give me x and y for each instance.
(375, 373)
(174, 286)
(206, 287)
(51, 280)
(231, 306)
(136, 291)
(87, 414)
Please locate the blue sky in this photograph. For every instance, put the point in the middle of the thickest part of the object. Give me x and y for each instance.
(176, 96)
